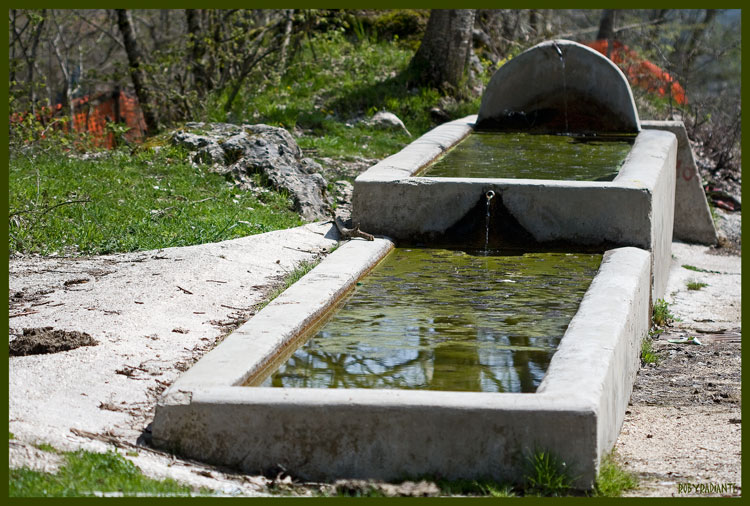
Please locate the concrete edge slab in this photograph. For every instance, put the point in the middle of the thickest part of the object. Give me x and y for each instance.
(420, 152)
(286, 317)
(599, 355)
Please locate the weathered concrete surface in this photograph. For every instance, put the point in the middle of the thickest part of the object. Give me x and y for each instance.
(323, 434)
(559, 86)
(650, 163)
(692, 217)
(390, 434)
(636, 209)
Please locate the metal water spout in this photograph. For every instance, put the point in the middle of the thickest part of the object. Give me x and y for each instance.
(488, 195)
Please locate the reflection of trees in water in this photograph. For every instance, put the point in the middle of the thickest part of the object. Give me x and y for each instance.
(451, 366)
(440, 321)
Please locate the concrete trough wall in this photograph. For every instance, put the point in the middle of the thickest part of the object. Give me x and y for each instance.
(635, 209)
(323, 434)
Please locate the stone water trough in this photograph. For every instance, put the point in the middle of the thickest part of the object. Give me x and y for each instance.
(577, 410)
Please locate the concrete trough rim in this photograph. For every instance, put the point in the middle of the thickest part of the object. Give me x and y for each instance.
(329, 303)
(383, 398)
(394, 170)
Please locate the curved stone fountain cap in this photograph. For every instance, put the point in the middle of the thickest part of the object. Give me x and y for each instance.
(559, 86)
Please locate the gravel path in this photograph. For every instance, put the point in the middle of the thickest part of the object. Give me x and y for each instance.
(682, 431)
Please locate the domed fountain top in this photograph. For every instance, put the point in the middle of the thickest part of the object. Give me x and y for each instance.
(559, 86)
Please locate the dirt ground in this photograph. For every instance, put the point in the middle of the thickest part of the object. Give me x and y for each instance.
(682, 431)
(152, 314)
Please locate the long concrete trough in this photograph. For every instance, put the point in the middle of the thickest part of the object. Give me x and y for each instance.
(323, 434)
(635, 209)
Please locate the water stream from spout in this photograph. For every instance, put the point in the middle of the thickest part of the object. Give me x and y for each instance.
(565, 84)
(488, 196)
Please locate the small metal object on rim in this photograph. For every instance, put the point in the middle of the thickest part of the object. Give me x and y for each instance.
(489, 194)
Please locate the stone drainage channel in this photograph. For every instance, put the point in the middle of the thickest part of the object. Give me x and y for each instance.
(577, 410)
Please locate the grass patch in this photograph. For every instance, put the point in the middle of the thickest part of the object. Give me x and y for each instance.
(46, 447)
(487, 488)
(333, 82)
(87, 473)
(289, 279)
(612, 480)
(547, 475)
(662, 315)
(648, 355)
(120, 202)
(696, 285)
(698, 269)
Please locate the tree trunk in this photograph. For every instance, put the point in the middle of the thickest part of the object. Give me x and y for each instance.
(285, 41)
(606, 25)
(442, 59)
(695, 36)
(137, 75)
(534, 22)
(65, 70)
(198, 49)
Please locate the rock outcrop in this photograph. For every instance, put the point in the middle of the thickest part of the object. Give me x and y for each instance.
(245, 150)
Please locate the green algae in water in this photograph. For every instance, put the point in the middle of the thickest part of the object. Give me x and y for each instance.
(532, 156)
(435, 319)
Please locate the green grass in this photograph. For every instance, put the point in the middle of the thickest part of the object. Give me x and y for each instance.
(486, 488)
(696, 285)
(46, 447)
(612, 480)
(289, 279)
(86, 473)
(547, 475)
(334, 81)
(121, 202)
(699, 269)
(648, 355)
(662, 315)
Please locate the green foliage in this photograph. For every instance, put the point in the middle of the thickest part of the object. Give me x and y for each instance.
(547, 475)
(648, 356)
(85, 474)
(489, 488)
(330, 85)
(400, 24)
(46, 447)
(696, 285)
(121, 202)
(661, 314)
(30, 133)
(612, 480)
(699, 269)
(289, 279)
